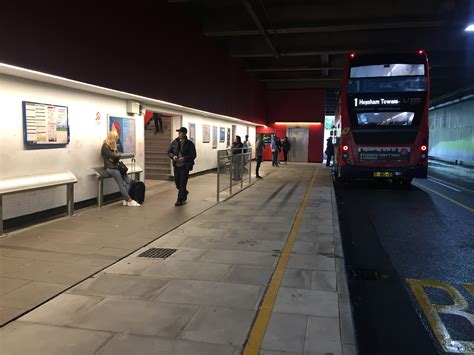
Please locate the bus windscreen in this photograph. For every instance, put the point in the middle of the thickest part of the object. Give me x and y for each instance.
(387, 70)
(365, 119)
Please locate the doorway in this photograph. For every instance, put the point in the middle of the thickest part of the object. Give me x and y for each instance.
(299, 139)
(158, 135)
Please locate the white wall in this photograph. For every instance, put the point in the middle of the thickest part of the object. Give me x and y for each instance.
(86, 134)
(79, 156)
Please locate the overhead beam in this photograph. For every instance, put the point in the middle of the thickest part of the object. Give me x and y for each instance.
(292, 69)
(298, 79)
(330, 28)
(292, 54)
(261, 30)
(345, 52)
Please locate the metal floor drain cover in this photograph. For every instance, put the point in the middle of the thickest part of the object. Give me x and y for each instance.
(160, 253)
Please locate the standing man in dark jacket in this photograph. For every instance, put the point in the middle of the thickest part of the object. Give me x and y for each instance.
(329, 151)
(182, 152)
(286, 149)
(259, 148)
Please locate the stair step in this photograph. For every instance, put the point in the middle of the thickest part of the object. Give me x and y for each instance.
(157, 170)
(159, 177)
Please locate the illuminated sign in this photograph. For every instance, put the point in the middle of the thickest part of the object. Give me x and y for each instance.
(376, 102)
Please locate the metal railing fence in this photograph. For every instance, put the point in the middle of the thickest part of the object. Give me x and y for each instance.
(234, 166)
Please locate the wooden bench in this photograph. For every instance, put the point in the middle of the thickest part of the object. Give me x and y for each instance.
(101, 174)
(15, 184)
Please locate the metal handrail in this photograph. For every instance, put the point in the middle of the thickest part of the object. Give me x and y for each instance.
(228, 159)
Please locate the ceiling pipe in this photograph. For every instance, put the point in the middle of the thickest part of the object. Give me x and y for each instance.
(331, 28)
(259, 25)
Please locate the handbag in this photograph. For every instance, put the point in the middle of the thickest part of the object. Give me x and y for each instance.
(121, 167)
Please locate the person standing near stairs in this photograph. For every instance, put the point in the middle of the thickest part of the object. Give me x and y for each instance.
(183, 153)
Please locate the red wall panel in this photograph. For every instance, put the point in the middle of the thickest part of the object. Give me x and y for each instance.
(150, 48)
(297, 106)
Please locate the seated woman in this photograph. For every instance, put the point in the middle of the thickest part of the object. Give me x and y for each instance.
(111, 157)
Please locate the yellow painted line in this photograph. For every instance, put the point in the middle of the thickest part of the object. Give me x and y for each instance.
(446, 197)
(259, 328)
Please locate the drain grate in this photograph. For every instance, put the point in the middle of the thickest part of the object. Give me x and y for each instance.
(161, 253)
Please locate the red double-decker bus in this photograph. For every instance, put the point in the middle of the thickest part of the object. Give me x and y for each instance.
(381, 123)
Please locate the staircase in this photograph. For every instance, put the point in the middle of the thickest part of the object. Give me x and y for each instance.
(157, 163)
(331, 102)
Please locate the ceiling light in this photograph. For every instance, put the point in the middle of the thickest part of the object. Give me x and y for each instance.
(299, 123)
(469, 28)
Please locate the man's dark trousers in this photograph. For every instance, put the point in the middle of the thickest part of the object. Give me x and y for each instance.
(181, 175)
(259, 161)
(328, 160)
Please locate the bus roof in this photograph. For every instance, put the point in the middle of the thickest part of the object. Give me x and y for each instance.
(387, 58)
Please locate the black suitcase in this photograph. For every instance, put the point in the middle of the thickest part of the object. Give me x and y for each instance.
(137, 191)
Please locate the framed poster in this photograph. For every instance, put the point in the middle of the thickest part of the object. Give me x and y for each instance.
(214, 137)
(222, 135)
(206, 133)
(228, 137)
(45, 125)
(125, 128)
(192, 132)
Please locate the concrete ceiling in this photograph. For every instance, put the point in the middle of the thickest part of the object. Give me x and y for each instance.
(303, 43)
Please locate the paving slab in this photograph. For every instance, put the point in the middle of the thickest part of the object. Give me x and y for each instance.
(212, 293)
(323, 336)
(30, 295)
(38, 339)
(249, 275)
(136, 317)
(286, 332)
(187, 270)
(307, 302)
(61, 310)
(127, 286)
(126, 344)
(219, 325)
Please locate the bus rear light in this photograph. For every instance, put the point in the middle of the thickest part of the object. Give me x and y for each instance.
(421, 52)
(424, 148)
(423, 156)
(345, 155)
(352, 55)
(345, 148)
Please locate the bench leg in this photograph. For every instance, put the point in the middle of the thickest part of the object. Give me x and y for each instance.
(1, 216)
(70, 199)
(100, 192)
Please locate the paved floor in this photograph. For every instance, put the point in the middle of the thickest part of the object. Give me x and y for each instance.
(204, 298)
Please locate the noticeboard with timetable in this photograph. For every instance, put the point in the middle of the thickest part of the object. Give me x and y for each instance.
(45, 125)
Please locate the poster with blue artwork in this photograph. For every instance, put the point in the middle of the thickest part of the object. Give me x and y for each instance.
(125, 128)
(222, 135)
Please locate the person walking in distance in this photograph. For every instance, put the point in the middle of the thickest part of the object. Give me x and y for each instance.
(274, 146)
(329, 151)
(183, 153)
(237, 149)
(259, 147)
(286, 149)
